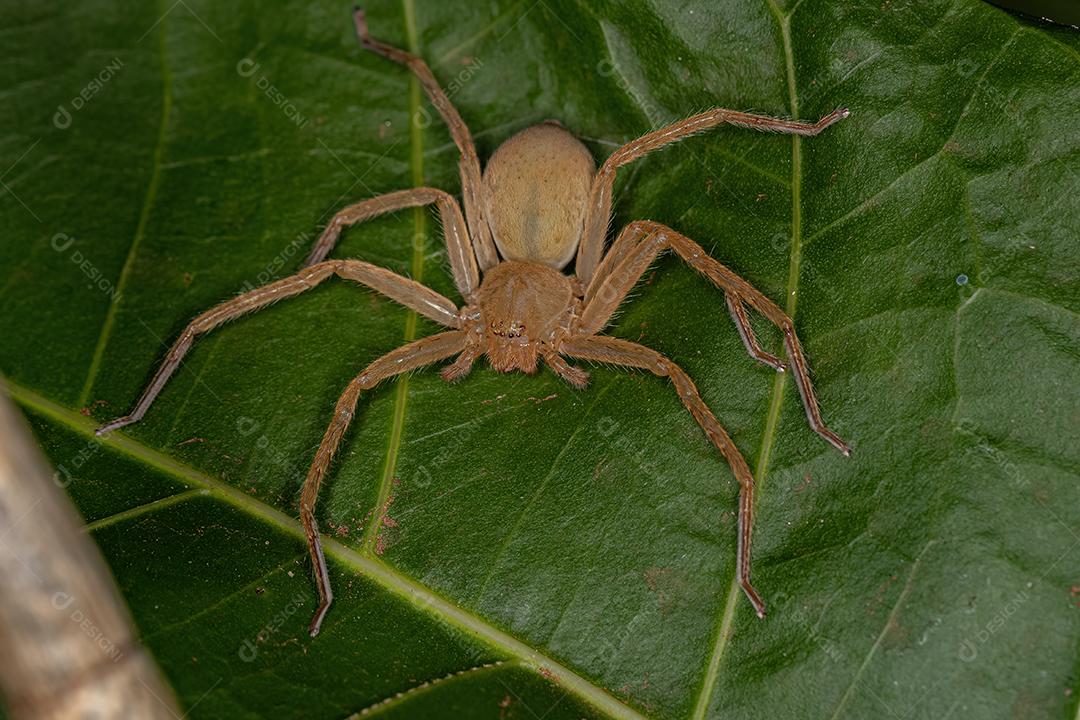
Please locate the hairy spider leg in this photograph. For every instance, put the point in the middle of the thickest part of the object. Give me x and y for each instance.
(404, 359)
(613, 288)
(627, 240)
(598, 214)
(471, 186)
(458, 248)
(628, 354)
(407, 292)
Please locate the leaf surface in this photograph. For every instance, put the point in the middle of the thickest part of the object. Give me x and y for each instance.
(509, 546)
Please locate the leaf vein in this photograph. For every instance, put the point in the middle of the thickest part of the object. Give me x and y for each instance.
(143, 509)
(959, 118)
(371, 568)
(140, 227)
(727, 617)
(653, 123)
(406, 695)
(295, 559)
(401, 394)
(889, 622)
(597, 395)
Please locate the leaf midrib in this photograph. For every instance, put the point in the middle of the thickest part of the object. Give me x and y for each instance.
(363, 561)
(416, 269)
(727, 613)
(144, 217)
(772, 421)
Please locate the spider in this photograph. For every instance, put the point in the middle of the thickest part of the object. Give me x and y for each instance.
(539, 203)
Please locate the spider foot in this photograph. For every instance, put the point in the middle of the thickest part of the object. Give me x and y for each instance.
(317, 620)
(833, 439)
(459, 368)
(114, 425)
(772, 361)
(364, 36)
(377, 46)
(361, 24)
(452, 374)
(753, 597)
(575, 376)
(833, 117)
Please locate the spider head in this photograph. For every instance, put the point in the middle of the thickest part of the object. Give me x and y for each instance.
(523, 306)
(509, 347)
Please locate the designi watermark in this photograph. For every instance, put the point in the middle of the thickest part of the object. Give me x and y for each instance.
(62, 119)
(969, 648)
(249, 649)
(62, 601)
(62, 242)
(247, 68)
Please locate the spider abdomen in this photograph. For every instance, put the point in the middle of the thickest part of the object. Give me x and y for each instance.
(537, 186)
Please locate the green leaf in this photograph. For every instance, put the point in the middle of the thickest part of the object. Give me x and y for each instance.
(545, 551)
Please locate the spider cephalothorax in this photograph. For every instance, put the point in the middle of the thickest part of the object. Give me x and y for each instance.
(525, 310)
(539, 204)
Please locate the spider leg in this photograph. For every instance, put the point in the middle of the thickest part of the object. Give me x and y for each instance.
(462, 260)
(628, 354)
(404, 359)
(462, 366)
(575, 376)
(471, 187)
(613, 288)
(627, 240)
(625, 243)
(598, 213)
(746, 332)
(409, 293)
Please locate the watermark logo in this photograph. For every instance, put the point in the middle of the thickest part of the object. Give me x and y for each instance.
(248, 68)
(249, 649)
(969, 648)
(62, 242)
(62, 119)
(64, 602)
